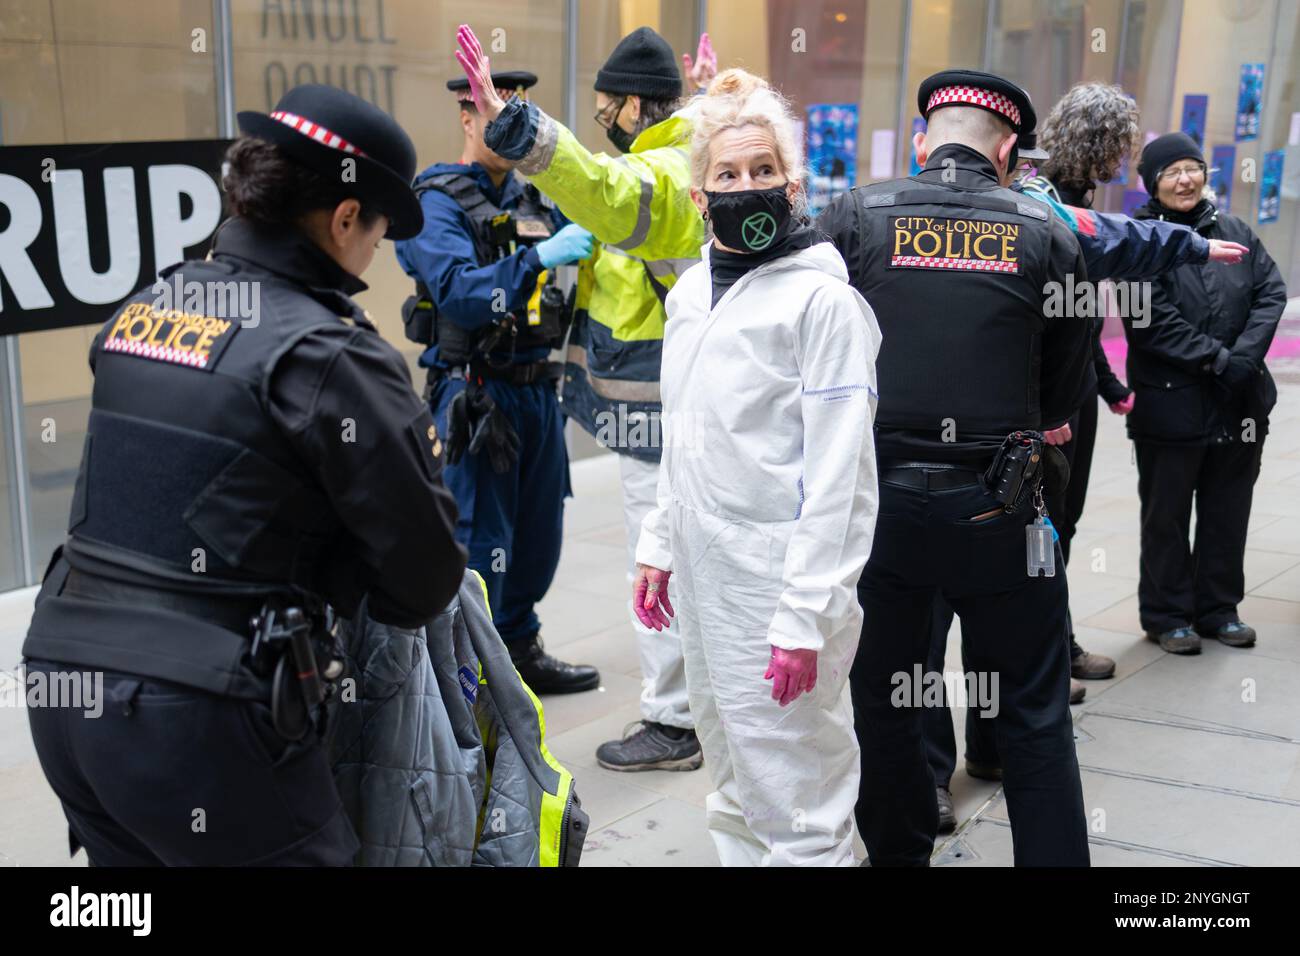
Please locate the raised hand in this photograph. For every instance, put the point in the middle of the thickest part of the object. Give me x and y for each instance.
(701, 71)
(478, 68)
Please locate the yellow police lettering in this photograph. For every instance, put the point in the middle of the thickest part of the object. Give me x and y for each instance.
(916, 242)
(157, 327)
(979, 253)
(144, 323)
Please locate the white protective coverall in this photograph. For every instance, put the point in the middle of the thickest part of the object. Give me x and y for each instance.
(766, 509)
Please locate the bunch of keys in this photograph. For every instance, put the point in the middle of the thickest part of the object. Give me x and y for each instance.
(1040, 541)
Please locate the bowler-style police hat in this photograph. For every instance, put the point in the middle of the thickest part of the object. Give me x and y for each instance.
(988, 92)
(507, 82)
(320, 126)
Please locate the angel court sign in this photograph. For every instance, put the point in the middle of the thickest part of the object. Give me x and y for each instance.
(83, 226)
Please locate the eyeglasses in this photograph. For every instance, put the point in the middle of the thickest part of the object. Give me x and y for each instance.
(1194, 171)
(609, 114)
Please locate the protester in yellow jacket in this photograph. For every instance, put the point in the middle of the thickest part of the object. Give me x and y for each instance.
(638, 206)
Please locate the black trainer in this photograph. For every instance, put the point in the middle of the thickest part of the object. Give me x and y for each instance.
(546, 675)
(652, 746)
(947, 816)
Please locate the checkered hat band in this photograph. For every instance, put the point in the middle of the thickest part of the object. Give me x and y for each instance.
(975, 96)
(316, 132)
(467, 96)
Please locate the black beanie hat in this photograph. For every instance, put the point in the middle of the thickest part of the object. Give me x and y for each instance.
(1163, 151)
(642, 64)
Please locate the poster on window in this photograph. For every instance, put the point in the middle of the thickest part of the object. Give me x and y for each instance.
(1250, 101)
(832, 151)
(1196, 107)
(1223, 163)
(1270, 186)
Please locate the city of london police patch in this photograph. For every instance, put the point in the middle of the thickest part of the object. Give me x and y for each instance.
(973, 245)
(181, 338)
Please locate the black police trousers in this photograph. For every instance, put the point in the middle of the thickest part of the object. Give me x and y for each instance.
(1015, 633)
(940, 737)
(1065, 510)
(1198, 586)
(160, 774)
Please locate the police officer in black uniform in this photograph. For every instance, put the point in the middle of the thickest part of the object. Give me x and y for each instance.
(255, 453)
(976, 380)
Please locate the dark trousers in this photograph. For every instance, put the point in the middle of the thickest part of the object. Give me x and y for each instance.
(512, 524)
(1200, 585)
(940, 736)
(1014, 627)
(152, 774)
(1065, 509)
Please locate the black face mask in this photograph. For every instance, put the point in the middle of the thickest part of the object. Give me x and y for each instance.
(620, 137)
(750, 220)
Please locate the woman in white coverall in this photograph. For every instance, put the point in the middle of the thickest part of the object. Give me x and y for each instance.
(767, 494)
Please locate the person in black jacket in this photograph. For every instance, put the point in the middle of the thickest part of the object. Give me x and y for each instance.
(1203, 394)
(1088, 135)
(263, 461)
(958, 386)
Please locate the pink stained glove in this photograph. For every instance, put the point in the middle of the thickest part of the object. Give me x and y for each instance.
(650, 597)
(792, 673)
(1227, 252)
(704, 67)
(1123, 406)
(478, 68)
(1058, 436)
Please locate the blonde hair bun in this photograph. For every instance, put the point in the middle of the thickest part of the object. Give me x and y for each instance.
(736, 82)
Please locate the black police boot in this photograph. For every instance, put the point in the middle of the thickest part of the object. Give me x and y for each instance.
(983, 771)
(947, 816)
(546, 675)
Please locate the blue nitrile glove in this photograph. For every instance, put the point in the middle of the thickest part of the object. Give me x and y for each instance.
(568, 245)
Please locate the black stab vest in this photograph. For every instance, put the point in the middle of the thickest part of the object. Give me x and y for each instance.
(957, 291)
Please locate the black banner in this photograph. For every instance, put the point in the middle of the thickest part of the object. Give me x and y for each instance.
(83, 226)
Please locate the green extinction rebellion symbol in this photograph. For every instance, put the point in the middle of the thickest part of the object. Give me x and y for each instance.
(758, 231)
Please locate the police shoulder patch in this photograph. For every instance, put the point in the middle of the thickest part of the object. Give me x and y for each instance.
(169, 335)
(968, 245)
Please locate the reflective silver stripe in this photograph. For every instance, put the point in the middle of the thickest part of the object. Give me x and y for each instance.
(615, 389)
(642, 227)
(659, 267)
(671, 267)
(543, 151)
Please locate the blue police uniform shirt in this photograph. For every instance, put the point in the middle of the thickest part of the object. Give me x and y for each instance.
(442, 257)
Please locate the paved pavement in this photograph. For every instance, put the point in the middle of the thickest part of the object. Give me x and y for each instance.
(1185, 761)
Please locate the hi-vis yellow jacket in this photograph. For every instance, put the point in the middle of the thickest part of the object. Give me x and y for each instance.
(639, 207)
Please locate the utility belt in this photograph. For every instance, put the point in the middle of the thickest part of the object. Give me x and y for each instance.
(1021, 469)
(273, 648)
(516, 374)
(544, 324)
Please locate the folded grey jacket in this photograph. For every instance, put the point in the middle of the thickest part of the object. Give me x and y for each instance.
(439, 748)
